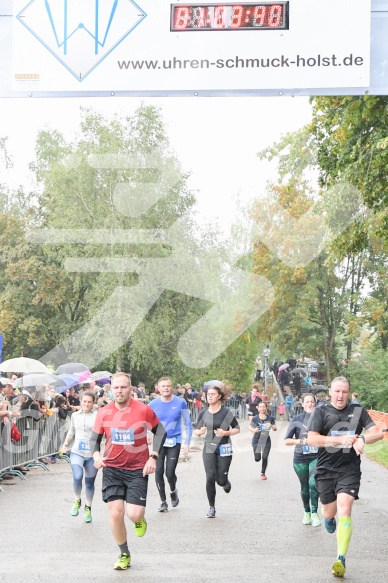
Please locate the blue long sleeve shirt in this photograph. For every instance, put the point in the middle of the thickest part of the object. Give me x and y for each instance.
(171, 414)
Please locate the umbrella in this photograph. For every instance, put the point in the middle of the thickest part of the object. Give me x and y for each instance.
(209, 384)
(34, 379)
(284, 366)
(101, 375)
(320, 387)
(72, 368)
(5, 381)
(298, 370)
(24, 365)
(69, 380)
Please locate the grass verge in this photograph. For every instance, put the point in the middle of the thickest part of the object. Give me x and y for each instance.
(378, 452)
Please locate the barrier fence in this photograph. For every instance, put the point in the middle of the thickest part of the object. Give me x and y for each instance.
(40, 438)
(381, 419)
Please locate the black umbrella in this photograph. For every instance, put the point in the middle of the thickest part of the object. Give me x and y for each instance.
(71, 368)
(298, 370)
(316, 388)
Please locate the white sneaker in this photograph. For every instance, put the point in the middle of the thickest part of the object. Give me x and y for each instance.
(307, 518)
(315, 520)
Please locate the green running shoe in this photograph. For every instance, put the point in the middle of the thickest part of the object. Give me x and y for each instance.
(75, 508)
(88, 514)
(140, 527)
(338, 567)
(123, 562)
(307, 518)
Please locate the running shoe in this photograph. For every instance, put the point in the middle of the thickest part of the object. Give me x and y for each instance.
(211, 513)
(307, 518)
(88, 514)
(330, 525)
(263, 477)
(174, 498)
(140, 527)
(75, 508)
(315, 520)
(338, 567)
(163, 507)
(123, 563)
(227, 487)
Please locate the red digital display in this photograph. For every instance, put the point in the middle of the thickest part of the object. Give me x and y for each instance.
(264, 16)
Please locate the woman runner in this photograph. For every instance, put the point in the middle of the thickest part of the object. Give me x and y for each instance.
(81, 426)
(218, 424)
(260, 426)
(305, 460)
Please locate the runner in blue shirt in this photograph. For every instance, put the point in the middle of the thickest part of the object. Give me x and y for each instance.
(170, 409)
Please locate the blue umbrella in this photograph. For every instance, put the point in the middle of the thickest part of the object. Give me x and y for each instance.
(70, 379)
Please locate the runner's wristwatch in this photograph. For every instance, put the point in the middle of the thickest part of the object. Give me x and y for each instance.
(154, 456)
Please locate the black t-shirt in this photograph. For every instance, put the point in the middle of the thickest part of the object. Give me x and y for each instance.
(328, 420)
(223, 419)
(298, 429)
(263, 425)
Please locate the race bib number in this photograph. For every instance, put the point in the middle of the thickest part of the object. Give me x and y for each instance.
(264, 426)
(336, 433)
(84, 445)
(309, 449)
(123, 436)
(225, 449)
(170, 442)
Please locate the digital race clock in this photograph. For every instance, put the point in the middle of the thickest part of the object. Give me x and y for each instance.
(264, 16)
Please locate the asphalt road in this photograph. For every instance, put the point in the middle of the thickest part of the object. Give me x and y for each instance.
(257, 535)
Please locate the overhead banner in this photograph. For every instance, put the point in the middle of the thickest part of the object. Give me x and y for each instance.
(159, 45)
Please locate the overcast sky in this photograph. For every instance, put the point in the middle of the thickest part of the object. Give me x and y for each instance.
(217, 139)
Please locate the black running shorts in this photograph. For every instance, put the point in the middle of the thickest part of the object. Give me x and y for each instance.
(128, 485)
(332, 483)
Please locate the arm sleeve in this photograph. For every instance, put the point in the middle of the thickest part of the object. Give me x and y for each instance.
(95, 442)
(160, 436)
(188, 423)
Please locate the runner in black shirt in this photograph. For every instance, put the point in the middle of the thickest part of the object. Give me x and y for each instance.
(252, 401)
(336, 429)
(305, 460)
(218, 423)
(260, 426)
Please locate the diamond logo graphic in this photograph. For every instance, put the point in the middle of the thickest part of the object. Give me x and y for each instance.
(81, 33)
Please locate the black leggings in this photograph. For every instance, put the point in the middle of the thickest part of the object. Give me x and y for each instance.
(216, 469)
(167, 463)
(261, 452)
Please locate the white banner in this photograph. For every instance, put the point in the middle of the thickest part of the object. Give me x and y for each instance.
(123, 45)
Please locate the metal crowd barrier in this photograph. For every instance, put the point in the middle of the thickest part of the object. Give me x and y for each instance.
(237, 407)
(41, 437)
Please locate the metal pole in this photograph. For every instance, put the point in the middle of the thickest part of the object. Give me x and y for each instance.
(266, 352)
